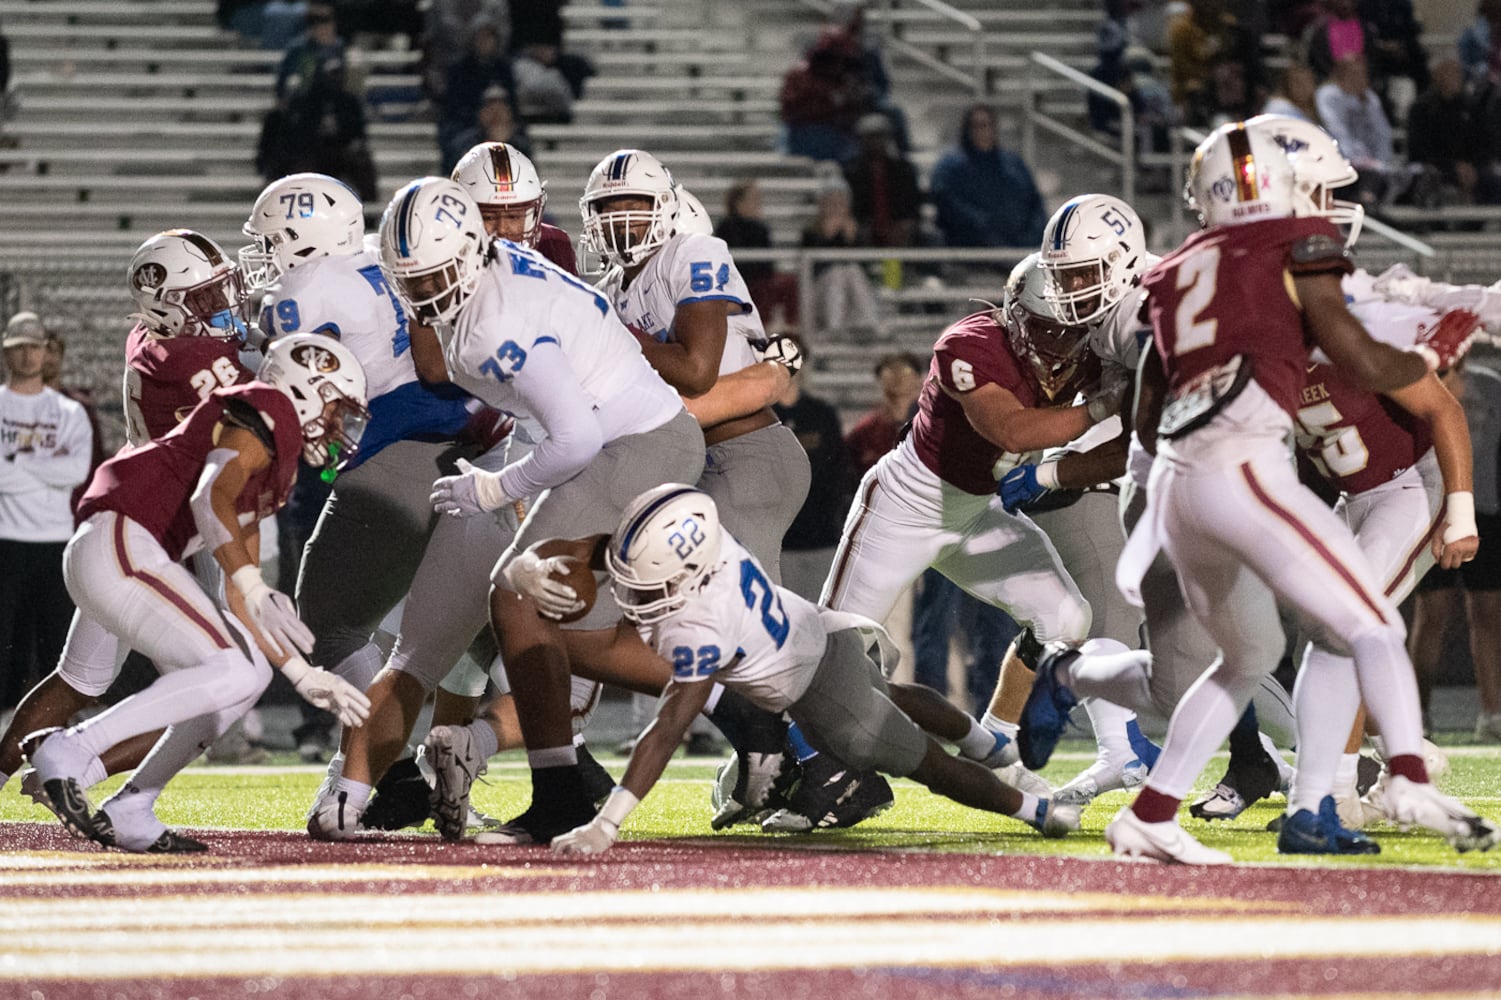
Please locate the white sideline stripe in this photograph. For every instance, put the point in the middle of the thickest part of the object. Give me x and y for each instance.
(316, 935)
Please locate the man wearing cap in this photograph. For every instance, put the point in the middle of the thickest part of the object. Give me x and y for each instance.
(45, 444)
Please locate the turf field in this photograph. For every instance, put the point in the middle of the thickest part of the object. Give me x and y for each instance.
(926, 900)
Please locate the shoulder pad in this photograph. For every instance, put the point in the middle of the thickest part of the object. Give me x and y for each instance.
(240, 412)
(1318, 253)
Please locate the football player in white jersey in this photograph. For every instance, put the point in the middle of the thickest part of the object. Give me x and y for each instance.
(534, 341)
(703, 601)
(681, 294)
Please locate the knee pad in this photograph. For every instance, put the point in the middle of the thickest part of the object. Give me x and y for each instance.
(466, 680)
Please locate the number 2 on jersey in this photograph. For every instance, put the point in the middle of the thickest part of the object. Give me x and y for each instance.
(1196, 280)
(755, 587)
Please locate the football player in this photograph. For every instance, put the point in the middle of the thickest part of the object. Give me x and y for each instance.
(1233, 310)
(206, 484)
(703, 600)
(186, 342)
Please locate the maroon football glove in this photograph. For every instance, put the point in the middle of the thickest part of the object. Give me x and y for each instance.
(1447, 341)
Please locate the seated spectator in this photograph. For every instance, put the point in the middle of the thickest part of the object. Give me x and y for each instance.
(321, 129)
(822, 97)
(842, 293)
(1479, 42)
(543, 93)
(1337, 34)
(446, 33)
(1352, 113)
(494, 122)
(1133, 71)
(1441, 132)
(1294, 96)
(540, 22)
(1201, 39)
(484, 65)
(984, 194)
(883, 186)
(774, 292)
(318, 46)
(848, 17)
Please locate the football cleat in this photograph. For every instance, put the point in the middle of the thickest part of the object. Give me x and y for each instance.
(597, 781)
(1167, 842)
(1045, 715)
(539, 824)
(332, 818)
(825, 783)
(1017, 776)
(455, 763)
(31, 787)
(1003, 754)
(1104, 775)
(1055, 819)
(872, 796)
(402, 798)
(167, 842)
(751, 786)
(1242, 787)
(1305, 832)
(1412, 804)
(72, 807)
(58, 763)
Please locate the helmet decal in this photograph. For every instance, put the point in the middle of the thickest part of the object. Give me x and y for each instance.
(1246, 188)
(641, 518)
(403, 219)
(619, 167)
(316, 357)
(500, 159)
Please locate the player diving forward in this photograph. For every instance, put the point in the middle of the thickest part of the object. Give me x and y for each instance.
(702, 600)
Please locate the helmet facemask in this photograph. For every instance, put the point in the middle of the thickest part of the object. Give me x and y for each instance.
(437, 294)
(1078, 291)
(1052, 350)
(215, 308)
(628, 237)
(333, 437)
(529, 214)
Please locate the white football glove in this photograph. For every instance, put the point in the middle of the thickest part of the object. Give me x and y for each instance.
(327, 691)
(595, 837)
(273, 613)
(784, 351)
(531, 575)
(473, 491)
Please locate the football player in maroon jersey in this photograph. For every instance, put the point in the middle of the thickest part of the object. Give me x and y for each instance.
(1233, 312)
(206, 484)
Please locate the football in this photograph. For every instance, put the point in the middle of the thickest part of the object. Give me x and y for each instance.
(579, 576)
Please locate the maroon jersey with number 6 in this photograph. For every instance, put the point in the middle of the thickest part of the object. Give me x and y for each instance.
(152, 485)
(1228, 291)
(166, 377)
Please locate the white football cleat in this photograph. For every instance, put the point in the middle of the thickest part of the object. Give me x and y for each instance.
(332, 818)
(1055, 819)
(31, 787)
(1106, 774)
(1003, 754)
(455, 763)
(1409, 803)
(1017, 776)
(1168, 842)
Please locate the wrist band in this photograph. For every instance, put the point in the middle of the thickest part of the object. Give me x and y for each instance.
(618, 806)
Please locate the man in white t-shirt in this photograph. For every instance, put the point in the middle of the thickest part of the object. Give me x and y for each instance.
(45, 445)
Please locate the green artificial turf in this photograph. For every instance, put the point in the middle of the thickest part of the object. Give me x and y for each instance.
(276, 796)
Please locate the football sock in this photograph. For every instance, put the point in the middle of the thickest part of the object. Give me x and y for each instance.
(486, 745)
(800, 744)
(1326, 696)
(977, 743)
(1152, 806)
(356, 793)
(1146, 751)
(1106, 669)
(564, 756)
(999, 725)
(1027, 811)
(1390, 690)
(1109, 722)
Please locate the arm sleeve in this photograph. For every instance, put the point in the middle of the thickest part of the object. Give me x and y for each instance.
(68, 465)
(552, 394)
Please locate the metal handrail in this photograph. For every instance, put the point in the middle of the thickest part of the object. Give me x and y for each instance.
(1035, 118)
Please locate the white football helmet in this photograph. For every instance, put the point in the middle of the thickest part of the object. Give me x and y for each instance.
(185, 285)
(1051, 349)
(629, 238)
(299, 218)
(664, 550)
(327, 387)
(504, 182)
(433, 248)
(1319, 169)
(1240, 175)
(1094, 251)
(692, 217)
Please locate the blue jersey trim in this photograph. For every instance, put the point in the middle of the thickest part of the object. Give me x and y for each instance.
(413, 412)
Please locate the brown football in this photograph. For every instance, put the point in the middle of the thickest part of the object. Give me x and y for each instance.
(579, 576)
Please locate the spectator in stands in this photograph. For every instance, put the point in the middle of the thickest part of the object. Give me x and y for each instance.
(484, 65)
(319, 46)
(494, 122)
(900, 377)
(823, 95)
(1201, 42)
(985, 195)
(843, 296)
(848, 17)
(1295, 94)
(1477, 584)
(543, 93)
(1395, 52)
(1352, 113)
(540, 22)
(1441, 133)
(1480, 41)
(1131, 70)
(322, 129)
(774, 292)
(808, 547)
(447, 30)
(1337, 33)
(45, 444)
(885, 197)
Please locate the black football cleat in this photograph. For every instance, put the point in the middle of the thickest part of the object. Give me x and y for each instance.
(401, 798)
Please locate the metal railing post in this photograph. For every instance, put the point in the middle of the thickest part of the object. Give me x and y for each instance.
(1029, 129)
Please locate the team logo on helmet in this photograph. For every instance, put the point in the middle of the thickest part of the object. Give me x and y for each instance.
(322, 361)
(1223, 189)
(149, 276)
